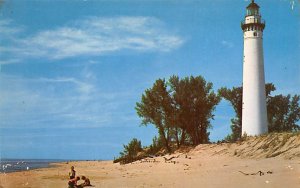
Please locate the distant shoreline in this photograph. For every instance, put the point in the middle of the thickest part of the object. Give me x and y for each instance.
(19, 165)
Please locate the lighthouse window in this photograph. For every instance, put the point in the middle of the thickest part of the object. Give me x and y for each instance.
(255, 34)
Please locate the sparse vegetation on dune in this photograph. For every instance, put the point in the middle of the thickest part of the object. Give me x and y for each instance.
(284, 145)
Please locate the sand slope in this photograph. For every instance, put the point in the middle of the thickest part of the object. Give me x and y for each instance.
(209, 165)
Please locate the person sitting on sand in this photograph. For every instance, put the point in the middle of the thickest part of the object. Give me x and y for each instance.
(73, 182)
(86, 181)
(72, 174)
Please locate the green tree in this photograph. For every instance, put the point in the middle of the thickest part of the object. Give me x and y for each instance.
(180, 109)
(234, 96)
(155, 108)
(283, 113)
(131, 150)
(155, 146)
(193, 102)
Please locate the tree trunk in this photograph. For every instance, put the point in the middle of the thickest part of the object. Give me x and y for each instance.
(165, 139)
(177, 137)
(182, 137)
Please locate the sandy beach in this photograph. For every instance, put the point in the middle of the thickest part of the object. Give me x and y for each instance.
(209, 165)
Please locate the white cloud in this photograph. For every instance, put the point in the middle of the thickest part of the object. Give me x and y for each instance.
(83, 87)
(72, 103)
(8, 29)
(98, 36)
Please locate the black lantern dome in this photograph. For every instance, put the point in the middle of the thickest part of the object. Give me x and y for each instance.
(252, 9)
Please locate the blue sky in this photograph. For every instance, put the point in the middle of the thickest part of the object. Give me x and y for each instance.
(72, 71)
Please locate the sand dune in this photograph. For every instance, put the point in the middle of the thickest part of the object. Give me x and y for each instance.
(267, 161)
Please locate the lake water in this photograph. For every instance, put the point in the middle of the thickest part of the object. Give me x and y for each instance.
(15, 165)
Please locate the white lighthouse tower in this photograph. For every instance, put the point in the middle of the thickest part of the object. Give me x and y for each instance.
(254, 113)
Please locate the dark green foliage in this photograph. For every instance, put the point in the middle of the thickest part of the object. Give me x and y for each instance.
(283, 111)
(234, 96)
(132, 149)
(129, 154)
(155, 146)
(155, 108)
(180, 109)
(193, 103)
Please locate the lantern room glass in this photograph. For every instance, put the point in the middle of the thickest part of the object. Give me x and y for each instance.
(252, 11)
